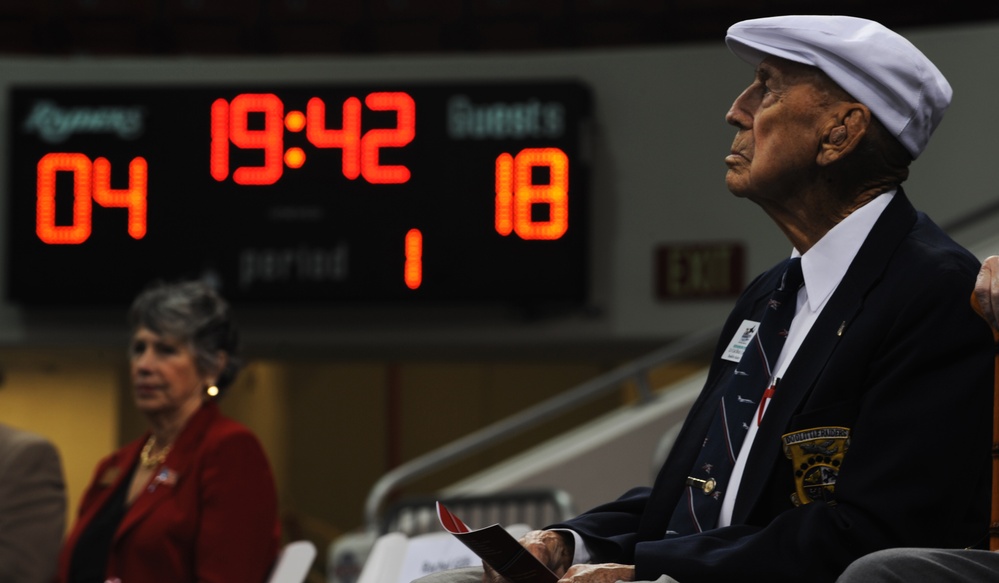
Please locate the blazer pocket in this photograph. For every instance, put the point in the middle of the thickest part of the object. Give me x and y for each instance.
(816, 445)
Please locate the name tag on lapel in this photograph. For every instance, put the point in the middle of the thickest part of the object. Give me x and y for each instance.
(743, 336)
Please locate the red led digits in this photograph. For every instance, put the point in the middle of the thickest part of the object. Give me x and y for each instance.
(45, 220)
(397, 137)
(360, 152)
(219, 158)
(270, 139)
(555, 194)
(413, 271)
(133, 198)
(230, 123)
(504, 194)
(90, 181)
(516, 193)
(347, 138)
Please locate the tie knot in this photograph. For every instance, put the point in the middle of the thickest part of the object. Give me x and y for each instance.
(792, 278)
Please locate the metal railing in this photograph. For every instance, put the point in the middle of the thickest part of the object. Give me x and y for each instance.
(986, 212)
(636, 371)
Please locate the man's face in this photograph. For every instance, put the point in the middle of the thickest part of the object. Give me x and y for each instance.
(780, 119)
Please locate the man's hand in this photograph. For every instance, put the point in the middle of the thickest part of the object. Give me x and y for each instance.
(603, 573)
(987, 290)
(550, 547)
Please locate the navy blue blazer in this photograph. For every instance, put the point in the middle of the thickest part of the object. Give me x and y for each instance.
(898, 358)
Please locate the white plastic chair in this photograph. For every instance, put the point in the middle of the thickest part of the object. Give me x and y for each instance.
(293, 563)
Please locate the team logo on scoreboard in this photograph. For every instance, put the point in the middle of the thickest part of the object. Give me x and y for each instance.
(816, 455)
(55, 124)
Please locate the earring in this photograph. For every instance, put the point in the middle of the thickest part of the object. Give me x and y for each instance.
(212, 391)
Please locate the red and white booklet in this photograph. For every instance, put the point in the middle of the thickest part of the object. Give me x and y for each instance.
(497, 547)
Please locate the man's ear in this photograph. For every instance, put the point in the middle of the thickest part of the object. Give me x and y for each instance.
(843, 133)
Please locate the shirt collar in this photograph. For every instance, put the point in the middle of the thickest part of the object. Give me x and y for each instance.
(824, 265)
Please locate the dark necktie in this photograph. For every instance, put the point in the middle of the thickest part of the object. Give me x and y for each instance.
(699, 505)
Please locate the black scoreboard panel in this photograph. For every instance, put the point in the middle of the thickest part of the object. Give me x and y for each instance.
(300, 194)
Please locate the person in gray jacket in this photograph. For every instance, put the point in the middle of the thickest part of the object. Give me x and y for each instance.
(32, 507)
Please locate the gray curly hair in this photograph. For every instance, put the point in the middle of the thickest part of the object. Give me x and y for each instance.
(194, 313)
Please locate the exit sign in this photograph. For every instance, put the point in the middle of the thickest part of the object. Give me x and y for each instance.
(700, 271)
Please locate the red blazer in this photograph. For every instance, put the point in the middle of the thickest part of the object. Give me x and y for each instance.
(208, 516)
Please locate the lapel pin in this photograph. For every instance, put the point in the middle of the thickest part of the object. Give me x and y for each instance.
(165, 476)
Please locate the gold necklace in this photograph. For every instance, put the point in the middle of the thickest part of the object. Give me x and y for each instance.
(151, 461)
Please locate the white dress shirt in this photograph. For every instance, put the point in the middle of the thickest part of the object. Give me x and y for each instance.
(823, 267)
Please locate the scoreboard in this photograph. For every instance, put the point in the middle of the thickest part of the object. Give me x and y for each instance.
(331, 194)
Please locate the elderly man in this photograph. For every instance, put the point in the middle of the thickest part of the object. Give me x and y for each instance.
(877, 434)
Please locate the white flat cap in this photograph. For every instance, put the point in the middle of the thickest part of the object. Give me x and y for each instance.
(878, 67)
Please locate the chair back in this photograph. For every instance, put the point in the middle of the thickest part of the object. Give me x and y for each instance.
(293, 563)
(536, 508)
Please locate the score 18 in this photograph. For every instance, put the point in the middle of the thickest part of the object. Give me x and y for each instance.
(516, 193)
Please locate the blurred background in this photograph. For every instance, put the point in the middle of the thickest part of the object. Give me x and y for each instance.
(350, 27)
(344, 388)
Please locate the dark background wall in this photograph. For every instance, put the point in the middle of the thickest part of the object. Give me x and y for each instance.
(281, 27)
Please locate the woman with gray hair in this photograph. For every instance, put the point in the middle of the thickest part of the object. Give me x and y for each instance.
(193, 499)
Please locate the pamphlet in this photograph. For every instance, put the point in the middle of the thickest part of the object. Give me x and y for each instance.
(497, 547)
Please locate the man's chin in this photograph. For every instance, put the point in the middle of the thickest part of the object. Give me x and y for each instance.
(741, 184)
(735, 186)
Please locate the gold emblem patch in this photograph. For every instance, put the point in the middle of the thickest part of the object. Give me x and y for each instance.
(815, 455)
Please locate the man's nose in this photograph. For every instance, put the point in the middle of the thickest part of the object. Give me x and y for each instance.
(738, 115)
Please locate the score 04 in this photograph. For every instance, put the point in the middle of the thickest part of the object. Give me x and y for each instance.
(230, 124)
(91, 183)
